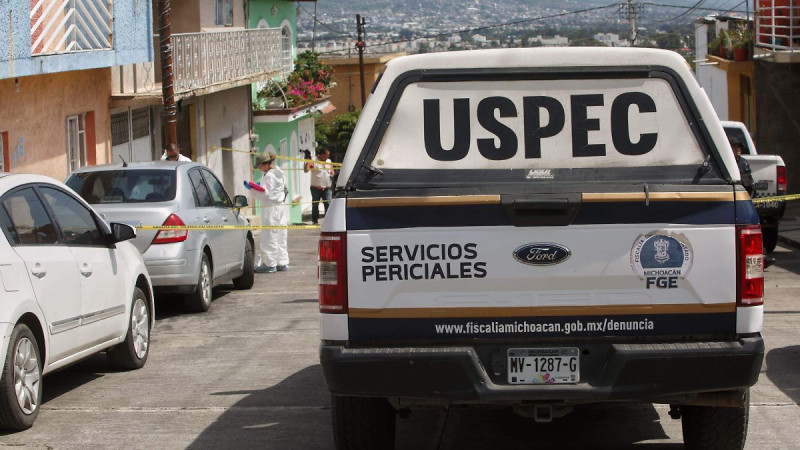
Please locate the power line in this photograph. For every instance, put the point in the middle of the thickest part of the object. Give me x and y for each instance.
(692, 8)
(325, 25)
(488, 27)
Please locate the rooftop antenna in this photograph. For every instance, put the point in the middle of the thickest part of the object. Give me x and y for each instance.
(124, 163)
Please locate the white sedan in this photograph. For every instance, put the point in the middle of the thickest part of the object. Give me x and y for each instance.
(71, 287)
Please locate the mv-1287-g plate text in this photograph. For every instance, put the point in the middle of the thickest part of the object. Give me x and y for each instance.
(543, 365)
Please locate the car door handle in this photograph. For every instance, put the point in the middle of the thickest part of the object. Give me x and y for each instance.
(224, 219)
(38, 271)
(86, 270)
(206, 220)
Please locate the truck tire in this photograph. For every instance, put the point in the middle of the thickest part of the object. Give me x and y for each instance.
(362, 423)
(715, 427)
(770, 236)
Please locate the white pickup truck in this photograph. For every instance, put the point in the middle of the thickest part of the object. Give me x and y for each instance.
(540, 229)
(769, 176)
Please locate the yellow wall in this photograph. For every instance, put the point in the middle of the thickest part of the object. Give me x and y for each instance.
(35, 118)
(346, 96)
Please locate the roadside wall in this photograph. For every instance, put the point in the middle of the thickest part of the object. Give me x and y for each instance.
(778, 105)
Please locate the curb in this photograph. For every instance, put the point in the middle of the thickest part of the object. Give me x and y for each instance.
(789, 241)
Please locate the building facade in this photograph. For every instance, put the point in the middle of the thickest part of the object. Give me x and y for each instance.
(55, 66)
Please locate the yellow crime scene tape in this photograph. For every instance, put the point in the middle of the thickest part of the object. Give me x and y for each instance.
(227, 227)
(777, 198)
(288, 158)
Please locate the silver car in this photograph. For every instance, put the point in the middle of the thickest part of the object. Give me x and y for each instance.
(189, 262)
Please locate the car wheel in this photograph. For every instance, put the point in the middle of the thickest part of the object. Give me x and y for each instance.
(363, 423)
(246, 280)
(132, 352)
(21, 382)
(715, 426)
(770, 236)
(200, 299)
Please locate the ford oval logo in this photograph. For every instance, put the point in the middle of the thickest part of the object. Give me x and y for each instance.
(542, 254)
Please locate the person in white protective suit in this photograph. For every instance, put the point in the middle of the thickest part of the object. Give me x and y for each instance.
(273, 255)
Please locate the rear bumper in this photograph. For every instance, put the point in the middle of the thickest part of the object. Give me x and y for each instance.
(771, 210)
(609, 372)
(172, 265)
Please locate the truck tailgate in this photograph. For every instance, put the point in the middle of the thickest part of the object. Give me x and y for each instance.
(463, 271)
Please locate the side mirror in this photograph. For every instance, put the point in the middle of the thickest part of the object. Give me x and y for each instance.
(121, 232)
(239, 201)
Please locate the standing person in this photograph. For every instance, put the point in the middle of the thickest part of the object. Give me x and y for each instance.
(320, 182)
(172, 153)
(273, 255)
(744, 165)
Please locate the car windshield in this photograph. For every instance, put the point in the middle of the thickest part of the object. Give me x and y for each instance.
(124, 186)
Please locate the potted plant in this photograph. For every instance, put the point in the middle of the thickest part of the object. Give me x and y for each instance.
(741, 38)
(271, 96)
(725, 45)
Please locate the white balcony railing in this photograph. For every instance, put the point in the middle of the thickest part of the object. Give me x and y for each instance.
(201, 60)
(778, 24)
(205, 59)
(62, 26)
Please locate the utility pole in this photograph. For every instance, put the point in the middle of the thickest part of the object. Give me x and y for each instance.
(360, 46)
(169, 114)
(314, 30)
(632, 4)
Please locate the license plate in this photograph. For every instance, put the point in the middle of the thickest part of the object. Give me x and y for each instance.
(543, 365)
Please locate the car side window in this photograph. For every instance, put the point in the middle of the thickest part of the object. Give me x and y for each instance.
(29, 218)
(75, 220)
(201, 195)
(218, 193)
(8, 227)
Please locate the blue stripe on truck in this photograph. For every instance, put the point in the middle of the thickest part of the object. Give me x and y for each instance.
(639, 325)
(674, 212)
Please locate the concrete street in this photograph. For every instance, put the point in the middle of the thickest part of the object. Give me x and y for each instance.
(246, 375)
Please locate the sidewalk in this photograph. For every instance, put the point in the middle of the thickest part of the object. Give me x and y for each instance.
(789, 228)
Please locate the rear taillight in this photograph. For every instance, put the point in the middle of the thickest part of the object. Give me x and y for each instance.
(332, 272)
(781, 177)
(169, 236)
(750, 251)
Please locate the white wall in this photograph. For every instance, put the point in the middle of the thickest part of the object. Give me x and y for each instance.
(226, 115)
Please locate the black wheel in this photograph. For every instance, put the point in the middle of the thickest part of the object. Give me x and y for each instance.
(362, 423)
(200, 299)
(715, 427)
(132, 352)
(770, 236)
(246, 280)
(21, 382)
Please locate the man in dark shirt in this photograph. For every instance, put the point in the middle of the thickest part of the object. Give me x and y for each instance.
(744, 166)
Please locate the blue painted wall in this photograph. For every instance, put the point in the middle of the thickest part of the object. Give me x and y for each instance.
(132, 41)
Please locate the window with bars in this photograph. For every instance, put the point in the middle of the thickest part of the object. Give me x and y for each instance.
(119, 128)
(76, 141)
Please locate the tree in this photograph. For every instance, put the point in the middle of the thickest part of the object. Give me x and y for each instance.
(336, 135)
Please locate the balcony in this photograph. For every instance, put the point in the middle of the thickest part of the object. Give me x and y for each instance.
(204, 63)
(778, 25)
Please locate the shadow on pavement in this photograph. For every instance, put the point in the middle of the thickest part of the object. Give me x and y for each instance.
(609, 426)
(783, 365)
(295, 414)
(171, 305)
(60, 382)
